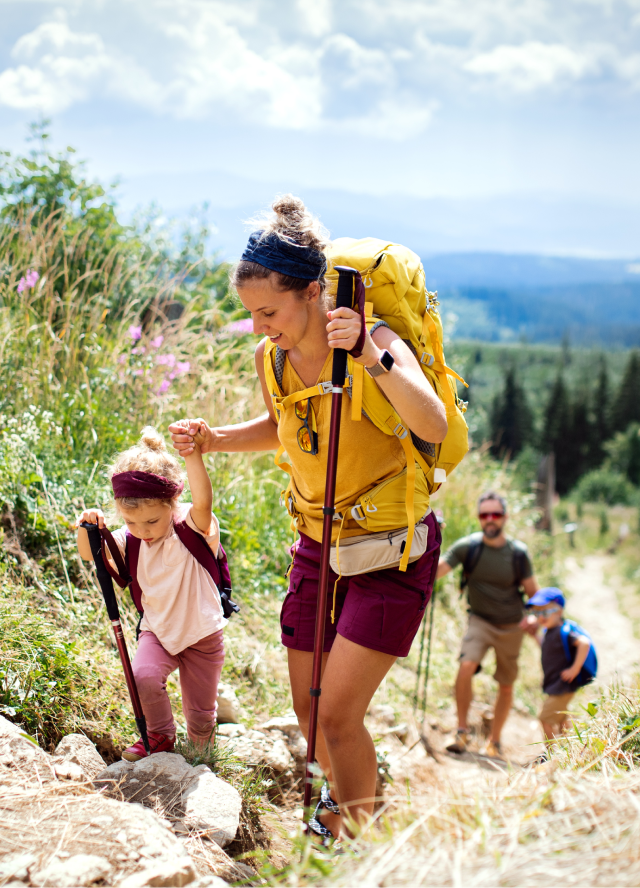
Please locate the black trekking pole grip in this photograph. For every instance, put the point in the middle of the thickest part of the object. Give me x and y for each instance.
(104, 577)
(344, 299)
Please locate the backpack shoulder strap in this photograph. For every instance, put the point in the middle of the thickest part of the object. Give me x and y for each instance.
(132, 553)
(218, 568)
(519, 560)
(474, 553)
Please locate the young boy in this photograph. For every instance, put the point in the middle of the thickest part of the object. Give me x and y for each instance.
(560, 681)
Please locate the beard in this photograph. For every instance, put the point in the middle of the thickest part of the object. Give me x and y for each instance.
(491, 531)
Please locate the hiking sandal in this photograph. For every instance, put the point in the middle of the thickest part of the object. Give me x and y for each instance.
(326, 801)
(319, 829)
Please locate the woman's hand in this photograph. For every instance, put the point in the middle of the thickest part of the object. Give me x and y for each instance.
(343, 331)
(190, 435)
(91, 516)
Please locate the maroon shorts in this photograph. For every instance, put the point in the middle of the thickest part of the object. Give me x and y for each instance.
(381, 610)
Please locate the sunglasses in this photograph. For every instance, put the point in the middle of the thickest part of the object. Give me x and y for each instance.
(485, 516)
(308, 431)
(547, 611)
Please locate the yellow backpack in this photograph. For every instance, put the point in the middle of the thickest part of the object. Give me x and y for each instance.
(396, 293)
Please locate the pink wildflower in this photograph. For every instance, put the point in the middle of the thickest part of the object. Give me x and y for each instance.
(243, 326)
(135, 332)
(138, 351)
(157, 342)
(166, 360)
(164, 385)
(26, 283)
(183, 366)
(122, 359)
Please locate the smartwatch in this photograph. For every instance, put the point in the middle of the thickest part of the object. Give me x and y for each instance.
(384, 364)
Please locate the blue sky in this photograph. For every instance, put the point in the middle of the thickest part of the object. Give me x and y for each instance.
(508, 125)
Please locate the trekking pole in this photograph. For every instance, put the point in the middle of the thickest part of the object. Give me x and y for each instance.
(428, 664)
(111, 602)
(344, 299)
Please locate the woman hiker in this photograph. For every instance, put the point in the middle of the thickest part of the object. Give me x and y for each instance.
(280, 281)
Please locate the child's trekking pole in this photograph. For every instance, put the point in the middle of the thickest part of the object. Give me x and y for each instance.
(111, 602)
(344, 299)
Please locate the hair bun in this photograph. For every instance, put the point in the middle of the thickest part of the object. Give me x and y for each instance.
(152, 439)
(291, 221)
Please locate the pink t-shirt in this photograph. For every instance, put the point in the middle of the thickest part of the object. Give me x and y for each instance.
(180, 600)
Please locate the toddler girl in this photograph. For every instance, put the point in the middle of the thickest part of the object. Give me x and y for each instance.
(183, 620)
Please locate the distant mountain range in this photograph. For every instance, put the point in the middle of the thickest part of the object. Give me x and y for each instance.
(505, 266)
(497, 297)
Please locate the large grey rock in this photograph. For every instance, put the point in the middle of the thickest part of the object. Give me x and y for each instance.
(258, 748)
(21, 759)
(228, 706)
(70, 839)
(81, 869)
(194, 796)
(79, 750)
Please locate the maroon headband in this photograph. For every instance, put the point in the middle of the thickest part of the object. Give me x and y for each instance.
(144, 485)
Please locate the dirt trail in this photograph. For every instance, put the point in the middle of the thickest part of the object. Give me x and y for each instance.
(593, 603)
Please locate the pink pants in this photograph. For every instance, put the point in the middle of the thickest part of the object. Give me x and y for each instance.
(200, 666)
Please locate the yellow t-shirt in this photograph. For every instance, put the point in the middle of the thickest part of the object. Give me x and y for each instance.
(366, 457)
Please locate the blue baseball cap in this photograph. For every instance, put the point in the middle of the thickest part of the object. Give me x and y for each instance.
(548, 595)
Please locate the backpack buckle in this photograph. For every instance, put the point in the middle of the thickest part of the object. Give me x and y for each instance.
(325, 388)
(427, 359)
(400, 431)
(357, 514)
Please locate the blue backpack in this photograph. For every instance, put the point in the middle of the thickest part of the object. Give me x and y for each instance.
(590, 667)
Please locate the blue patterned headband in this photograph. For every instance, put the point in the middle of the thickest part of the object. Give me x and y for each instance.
(278, 255)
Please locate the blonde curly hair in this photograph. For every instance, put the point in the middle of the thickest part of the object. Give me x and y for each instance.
(149, 455)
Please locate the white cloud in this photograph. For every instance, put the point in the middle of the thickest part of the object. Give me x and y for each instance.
(309, 64)
(316, 16)
(68, 68)
(533, 65)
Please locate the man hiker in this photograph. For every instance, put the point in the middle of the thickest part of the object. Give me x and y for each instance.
(494, 570)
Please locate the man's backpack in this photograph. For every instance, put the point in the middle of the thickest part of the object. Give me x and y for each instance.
(126, 573)
(590, 666)
(472, 558)
(396, 295)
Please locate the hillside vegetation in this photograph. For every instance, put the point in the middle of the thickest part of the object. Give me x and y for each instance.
(104, 329)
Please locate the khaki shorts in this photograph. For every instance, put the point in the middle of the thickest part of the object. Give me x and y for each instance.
(505, 639)
(554, 709)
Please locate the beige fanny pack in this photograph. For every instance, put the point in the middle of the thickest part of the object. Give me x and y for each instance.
(377, 551)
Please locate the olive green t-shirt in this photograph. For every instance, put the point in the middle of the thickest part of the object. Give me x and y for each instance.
(491, 590)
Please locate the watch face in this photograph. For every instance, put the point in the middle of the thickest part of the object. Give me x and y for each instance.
(387, 360)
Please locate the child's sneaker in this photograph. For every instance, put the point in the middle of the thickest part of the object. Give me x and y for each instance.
(460, 744)
(157, 743)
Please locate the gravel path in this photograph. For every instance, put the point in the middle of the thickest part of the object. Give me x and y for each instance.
(593, 603)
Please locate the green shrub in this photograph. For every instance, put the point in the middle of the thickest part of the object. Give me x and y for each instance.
(605, 486)
(55, 681)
